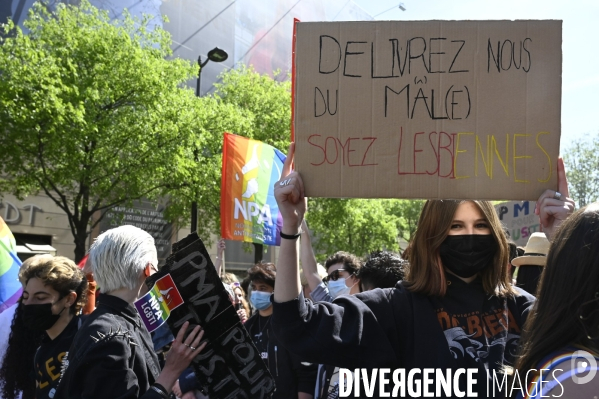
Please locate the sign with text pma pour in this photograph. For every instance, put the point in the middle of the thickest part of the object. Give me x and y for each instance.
(428, 109)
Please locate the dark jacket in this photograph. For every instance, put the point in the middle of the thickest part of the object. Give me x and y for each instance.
(290, 373)
(395, 328)
(112, 356)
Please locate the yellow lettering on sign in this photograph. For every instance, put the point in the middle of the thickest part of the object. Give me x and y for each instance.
(455, 158)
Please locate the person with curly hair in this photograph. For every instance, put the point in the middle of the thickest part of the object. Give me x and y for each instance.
(16, 369)
(54, 294)
(381, 269)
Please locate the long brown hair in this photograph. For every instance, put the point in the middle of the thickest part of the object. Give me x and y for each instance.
(425, 272)
(566, 310)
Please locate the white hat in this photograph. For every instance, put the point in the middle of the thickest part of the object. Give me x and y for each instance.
(535, 252)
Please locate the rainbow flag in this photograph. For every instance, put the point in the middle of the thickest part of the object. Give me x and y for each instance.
(10, 287)
(156, 306)
(248, 210)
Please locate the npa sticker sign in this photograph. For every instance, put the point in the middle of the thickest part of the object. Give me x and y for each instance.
(156, 306)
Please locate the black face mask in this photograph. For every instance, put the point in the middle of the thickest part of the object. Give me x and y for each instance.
(40, 317)
(466, 255)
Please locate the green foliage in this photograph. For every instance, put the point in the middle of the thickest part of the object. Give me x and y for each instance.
(360, 226)
(244, 103)
(582, 166)
(92, 113)
(265, 102)
(407, 213)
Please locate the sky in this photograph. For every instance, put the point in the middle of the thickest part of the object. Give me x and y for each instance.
(580, 75)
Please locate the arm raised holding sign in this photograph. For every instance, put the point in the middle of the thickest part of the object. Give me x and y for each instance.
(456, 302)
(553, 207)
(289, 193)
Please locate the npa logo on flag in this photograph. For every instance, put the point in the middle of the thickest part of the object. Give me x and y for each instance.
(156, 306)
(249, 211)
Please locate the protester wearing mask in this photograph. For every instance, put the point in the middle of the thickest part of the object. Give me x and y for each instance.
(381, 269)
(293, 379)
(341, 268)
(53, 297)
(455, 310)
(112, 355)
(17, 379)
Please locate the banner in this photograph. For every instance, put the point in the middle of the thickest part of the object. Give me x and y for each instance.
(248, 209)
(428, 109)
(10, 287)
(230, 365)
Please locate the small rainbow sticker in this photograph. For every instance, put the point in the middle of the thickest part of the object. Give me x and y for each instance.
(156, 306)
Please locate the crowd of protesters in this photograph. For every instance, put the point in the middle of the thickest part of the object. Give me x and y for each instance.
(461, 296)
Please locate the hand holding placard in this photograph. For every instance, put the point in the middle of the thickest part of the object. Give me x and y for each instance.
(552, 208)
(428, 109)
(183, 350)
(289, 193)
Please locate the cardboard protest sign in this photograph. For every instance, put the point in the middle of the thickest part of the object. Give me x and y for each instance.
(428, 109)
(520, 220)
(230, 365)
(248, 209)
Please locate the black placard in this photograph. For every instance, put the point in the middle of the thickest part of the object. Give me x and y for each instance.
(230, 365)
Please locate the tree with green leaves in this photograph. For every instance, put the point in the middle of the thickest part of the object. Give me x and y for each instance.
(582, 165)
(407, 213)
(92, 113)
(360, 226)
(244, 103)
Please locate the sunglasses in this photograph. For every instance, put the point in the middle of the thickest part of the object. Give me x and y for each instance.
(334, 276)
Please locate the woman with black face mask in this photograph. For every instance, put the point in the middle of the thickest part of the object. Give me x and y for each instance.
(456, 310)
(16, 370)
(54, 294)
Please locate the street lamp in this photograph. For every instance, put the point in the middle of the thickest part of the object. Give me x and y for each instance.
(401, 7)
(214, 55)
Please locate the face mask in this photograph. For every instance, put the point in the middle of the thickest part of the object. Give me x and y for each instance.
(338, 287)
(260, 299)
(466, 255)
(40, 317)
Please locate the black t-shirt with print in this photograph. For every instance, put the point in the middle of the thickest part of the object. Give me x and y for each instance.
(48, 360)
(479, 328)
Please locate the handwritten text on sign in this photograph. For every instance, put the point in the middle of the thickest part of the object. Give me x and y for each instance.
(230, 365)
(431, 109)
